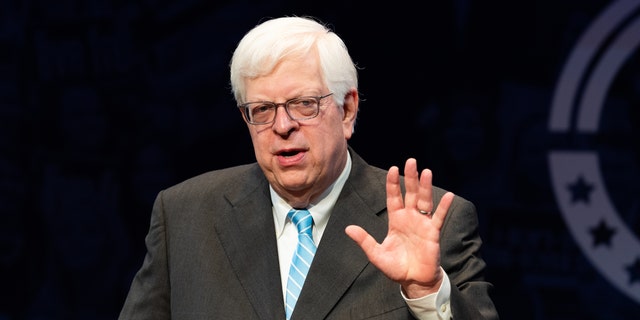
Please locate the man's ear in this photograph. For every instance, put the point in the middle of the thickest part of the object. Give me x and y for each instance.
(350, 111)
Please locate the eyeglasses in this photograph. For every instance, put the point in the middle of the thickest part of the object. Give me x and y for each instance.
(264, 112)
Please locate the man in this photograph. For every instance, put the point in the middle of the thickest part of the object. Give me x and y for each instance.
(382, 246)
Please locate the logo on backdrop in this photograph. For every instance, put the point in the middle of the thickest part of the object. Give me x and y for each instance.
(576, 177)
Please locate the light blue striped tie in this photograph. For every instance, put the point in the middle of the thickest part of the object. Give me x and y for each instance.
(302, 258)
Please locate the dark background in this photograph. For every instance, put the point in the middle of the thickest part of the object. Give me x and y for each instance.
(105, 103)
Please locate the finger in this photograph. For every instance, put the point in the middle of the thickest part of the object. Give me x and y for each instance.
(425, 193)
(394, 193)
(411, 184)
(362, 238)
(443, 208)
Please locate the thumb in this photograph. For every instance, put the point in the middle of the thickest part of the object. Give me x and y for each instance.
(362, 238)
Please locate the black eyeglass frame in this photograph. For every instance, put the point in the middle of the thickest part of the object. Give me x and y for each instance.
(246, 110)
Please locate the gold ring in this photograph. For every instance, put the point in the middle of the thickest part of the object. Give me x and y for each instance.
(425, 212)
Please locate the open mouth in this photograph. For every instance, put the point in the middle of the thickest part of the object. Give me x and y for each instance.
(289, 153)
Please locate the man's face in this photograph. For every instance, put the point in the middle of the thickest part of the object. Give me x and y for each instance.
(300, 158)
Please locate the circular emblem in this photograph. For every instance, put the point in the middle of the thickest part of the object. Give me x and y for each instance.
(576, 177)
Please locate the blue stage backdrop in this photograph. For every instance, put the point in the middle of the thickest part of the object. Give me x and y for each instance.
(530, 109)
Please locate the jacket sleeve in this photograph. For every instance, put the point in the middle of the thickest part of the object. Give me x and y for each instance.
(149, 295)
(460, 245)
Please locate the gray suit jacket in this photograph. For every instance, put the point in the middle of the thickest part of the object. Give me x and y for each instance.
(212, 254)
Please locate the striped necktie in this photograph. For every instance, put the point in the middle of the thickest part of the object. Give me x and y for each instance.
(302, 258)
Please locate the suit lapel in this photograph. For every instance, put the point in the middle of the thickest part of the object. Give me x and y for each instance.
(246, 232)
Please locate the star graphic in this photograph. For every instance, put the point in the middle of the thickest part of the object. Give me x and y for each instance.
(602, 234)
(580, 190)
(634, 271)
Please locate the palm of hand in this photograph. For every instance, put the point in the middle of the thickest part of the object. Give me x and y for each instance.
(410, 253)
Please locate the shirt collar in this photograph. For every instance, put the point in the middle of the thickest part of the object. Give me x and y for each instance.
(320, 211)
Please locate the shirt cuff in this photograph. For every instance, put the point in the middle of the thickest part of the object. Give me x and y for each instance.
(434, 306)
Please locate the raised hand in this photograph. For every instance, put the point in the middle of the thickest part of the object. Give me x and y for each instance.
(410, 253)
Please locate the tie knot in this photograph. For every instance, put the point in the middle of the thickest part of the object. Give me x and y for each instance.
(302, 219)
